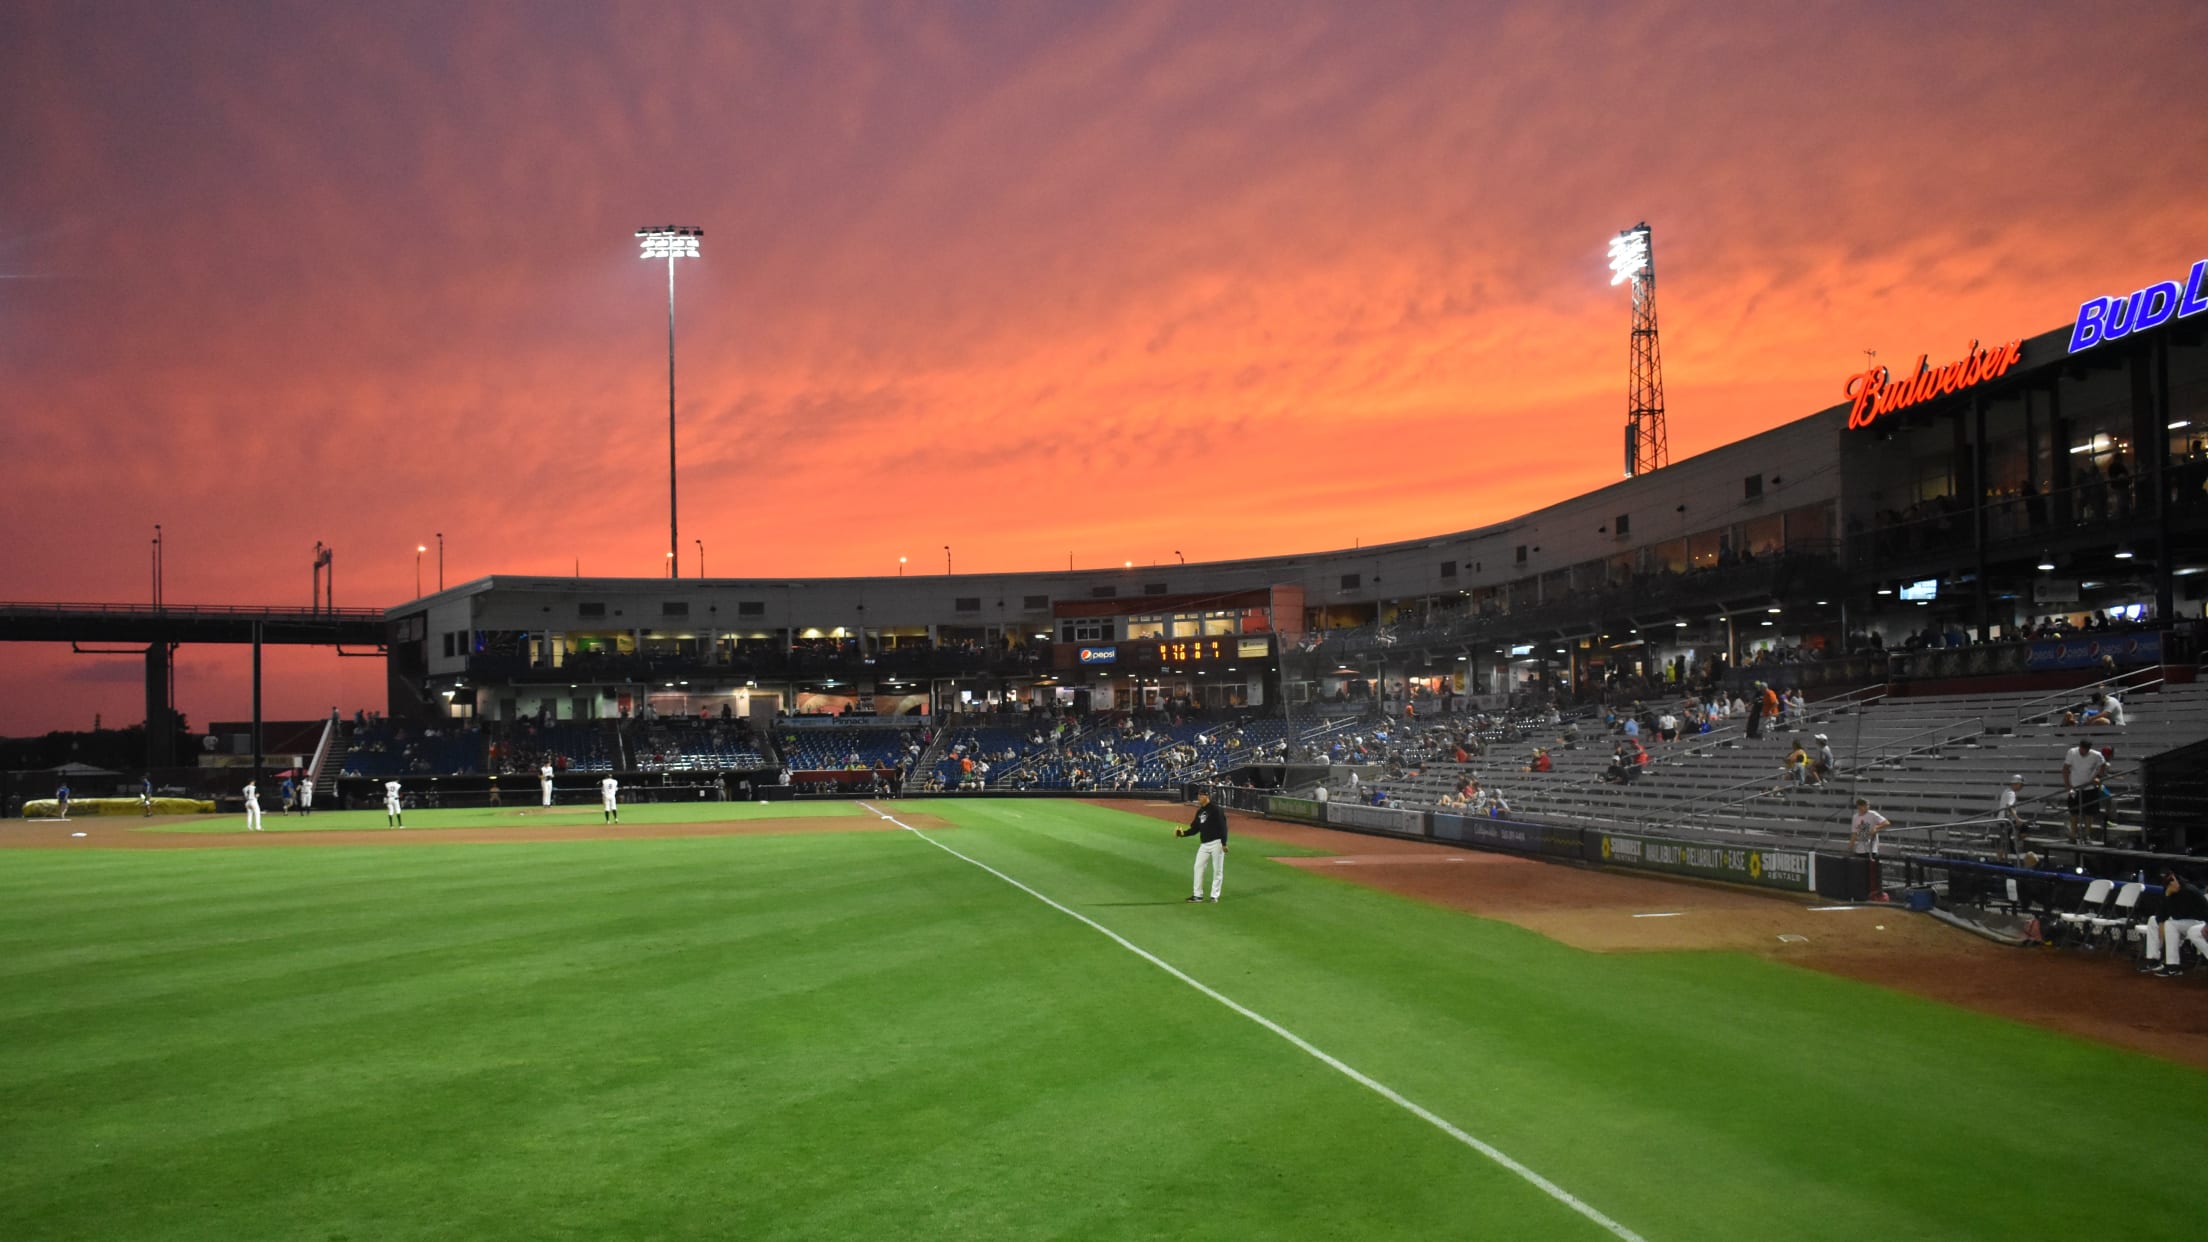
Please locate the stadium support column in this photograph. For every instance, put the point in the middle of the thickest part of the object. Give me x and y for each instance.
(257, 701)
(160, 712)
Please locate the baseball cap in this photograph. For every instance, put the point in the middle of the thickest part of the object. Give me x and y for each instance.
(2017, 779)
(1822, 738)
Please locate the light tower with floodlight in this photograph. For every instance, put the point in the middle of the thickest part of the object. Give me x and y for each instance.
(1647, 446)
(670, 242)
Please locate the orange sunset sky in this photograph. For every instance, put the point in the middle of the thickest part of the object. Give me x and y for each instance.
(1112, 280)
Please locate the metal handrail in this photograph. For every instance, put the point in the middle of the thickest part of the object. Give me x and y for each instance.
(2034, 707)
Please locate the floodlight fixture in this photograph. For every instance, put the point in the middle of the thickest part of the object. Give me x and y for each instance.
(1629, 254)
(669, 242)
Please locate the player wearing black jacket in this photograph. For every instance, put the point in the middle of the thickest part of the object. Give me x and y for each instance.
(1210, 829)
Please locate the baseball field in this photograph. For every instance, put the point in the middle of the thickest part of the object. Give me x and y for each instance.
(986, 1020)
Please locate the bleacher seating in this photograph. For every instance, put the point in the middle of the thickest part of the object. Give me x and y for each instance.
(679, 744)
(1932, 765)
(876, 747)
(386, 748)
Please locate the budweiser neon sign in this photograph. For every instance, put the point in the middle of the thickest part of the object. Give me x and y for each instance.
(1877, 392)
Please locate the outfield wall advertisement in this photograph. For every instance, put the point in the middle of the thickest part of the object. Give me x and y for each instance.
(1795, 870)
(1305, 809)
(1510, 835)
(1408, 823)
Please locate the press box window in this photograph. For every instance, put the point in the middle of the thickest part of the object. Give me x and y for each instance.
(674, 608)
(1351, 582)
(1448, 569)
(1103, 592)
(1751, 487)
(1035, 603)
(590, 610)
(1521, 554)
(751, 608)
(1625, 524)
(967, 603)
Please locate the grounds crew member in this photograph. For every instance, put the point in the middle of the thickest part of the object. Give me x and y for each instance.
(1210, 828)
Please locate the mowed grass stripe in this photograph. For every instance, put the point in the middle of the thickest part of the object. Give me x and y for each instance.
(864, 1041)
(1562, 1196)
(1702, 1095)
(569, 812)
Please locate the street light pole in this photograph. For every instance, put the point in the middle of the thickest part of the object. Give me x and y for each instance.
(701, 556)
(670, 243)
(946, 559)
(900, 567)
(418, 550)
(440, 560)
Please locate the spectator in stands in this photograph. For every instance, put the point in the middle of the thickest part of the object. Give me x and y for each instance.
(1320, 795)
(1823, 763)
(1755, 710)
(1863, 832)
(1797, 764)
(2106, 709)
(2008, 831)
(1541, 761)
(2183, 914)
(2082, 772)
(1667, 726)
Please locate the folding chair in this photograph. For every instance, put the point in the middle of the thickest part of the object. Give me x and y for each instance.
(2121, 913)
(2080, 921)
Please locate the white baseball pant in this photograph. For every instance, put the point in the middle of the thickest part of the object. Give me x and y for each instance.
(2164, 936)
(1214, 852)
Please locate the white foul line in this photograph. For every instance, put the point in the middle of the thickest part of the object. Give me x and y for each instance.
(1554, 1191)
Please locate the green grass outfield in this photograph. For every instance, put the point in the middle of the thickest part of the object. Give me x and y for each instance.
(509, 816)
(858, 1035)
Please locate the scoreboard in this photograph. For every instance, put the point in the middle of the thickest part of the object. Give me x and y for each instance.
(1212, 651)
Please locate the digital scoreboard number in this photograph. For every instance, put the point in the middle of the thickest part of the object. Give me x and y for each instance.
(1174, 653)
(1194, 650)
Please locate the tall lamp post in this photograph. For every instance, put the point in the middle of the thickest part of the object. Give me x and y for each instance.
(670, 243)
(440, 560)
(701, 556)
(419, 548)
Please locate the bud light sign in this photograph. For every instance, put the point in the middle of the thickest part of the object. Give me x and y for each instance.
(2106, 319)
(1098, 655)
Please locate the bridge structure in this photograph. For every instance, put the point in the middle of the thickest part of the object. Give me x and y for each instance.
(162, 628)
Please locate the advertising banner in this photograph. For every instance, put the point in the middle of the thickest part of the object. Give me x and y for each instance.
(1295, 808)
(1767, 868)
(2086, 651)
(1409, 823)
(1499, 834)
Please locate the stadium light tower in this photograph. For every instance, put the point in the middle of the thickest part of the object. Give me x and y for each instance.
(1647, 447)
(670, 243)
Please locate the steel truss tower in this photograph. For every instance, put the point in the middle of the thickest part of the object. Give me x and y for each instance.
(1647, 447)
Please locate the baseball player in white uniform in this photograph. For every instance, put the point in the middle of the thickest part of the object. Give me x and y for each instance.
(252, 807)
(306, 796)
(544, 782)
(1210, 827)
(394, 816)
(608, 801)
